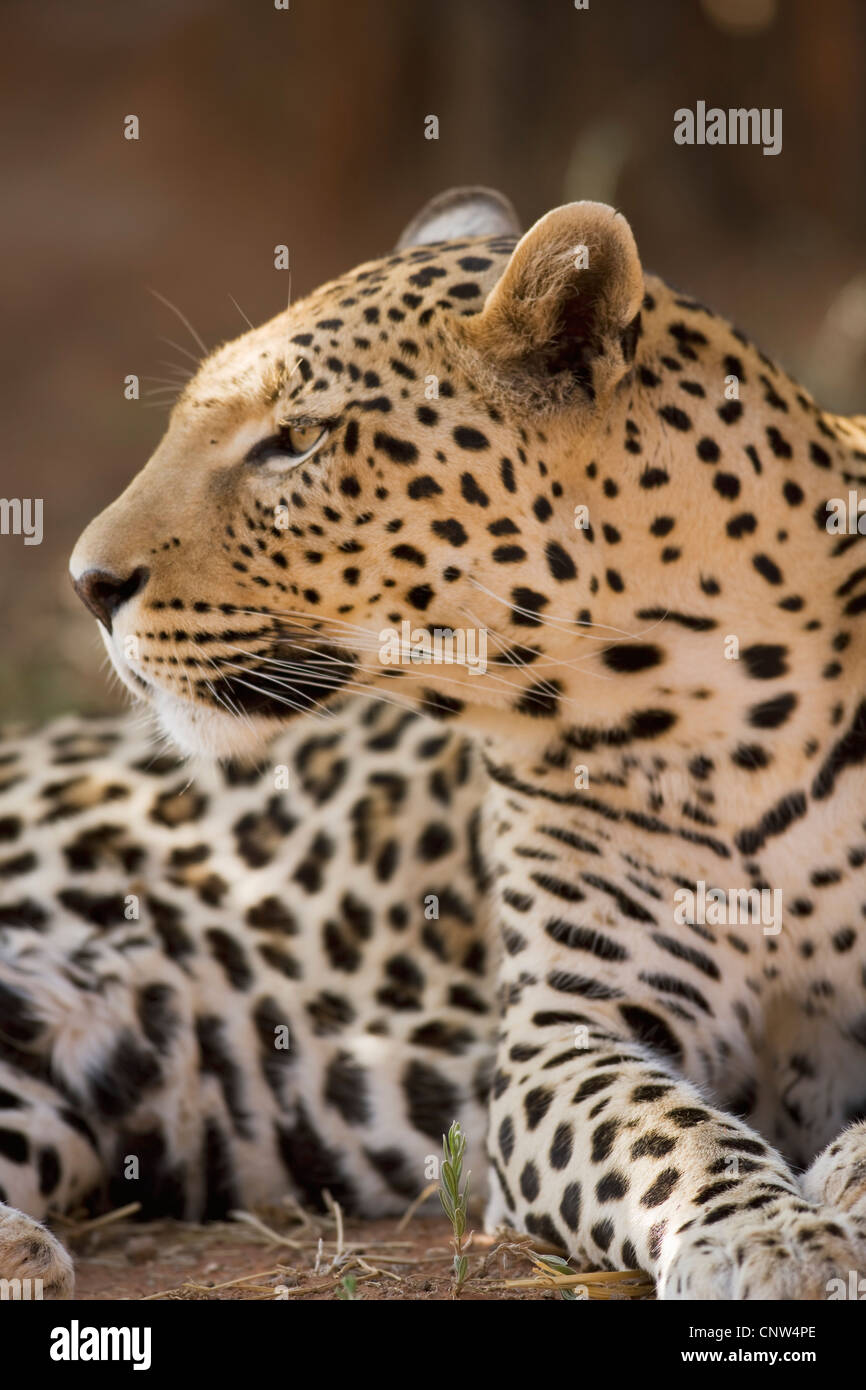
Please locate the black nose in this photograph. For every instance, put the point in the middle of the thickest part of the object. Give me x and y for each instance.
(105, 593)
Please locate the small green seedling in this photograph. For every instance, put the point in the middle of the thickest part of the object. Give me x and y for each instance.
(347, 1290)
(455, 1201)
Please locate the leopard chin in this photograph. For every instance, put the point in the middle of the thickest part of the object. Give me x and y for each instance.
(210, 734)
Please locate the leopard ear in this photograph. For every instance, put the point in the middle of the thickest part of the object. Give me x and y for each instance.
(560, 327)
(458, 213)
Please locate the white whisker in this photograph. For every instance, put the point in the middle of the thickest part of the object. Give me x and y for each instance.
(182, 317)
(241, 312)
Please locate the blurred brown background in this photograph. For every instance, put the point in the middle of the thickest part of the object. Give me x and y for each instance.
(306, 126)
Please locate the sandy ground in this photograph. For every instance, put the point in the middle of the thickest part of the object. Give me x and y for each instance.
(281, 1257)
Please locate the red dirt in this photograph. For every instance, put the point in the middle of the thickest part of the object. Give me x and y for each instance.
(172, 1260)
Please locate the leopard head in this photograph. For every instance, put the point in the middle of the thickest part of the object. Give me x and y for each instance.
(509, 479)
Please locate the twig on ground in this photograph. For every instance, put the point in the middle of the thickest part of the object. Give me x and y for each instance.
(383, 1273)
(604, 1284)
(80, 1228)
(213, 1288)
(337, 1212)
(250, 1220)
(423, 1196)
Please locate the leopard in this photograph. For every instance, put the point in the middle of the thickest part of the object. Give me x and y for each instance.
(334, 886)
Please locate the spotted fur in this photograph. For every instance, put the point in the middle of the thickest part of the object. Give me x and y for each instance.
(411, 443)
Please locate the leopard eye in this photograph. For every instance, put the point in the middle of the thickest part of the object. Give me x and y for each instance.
(291, 445)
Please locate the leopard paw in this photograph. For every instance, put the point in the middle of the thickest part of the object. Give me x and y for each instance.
(28, 1251)
(793, 1255)
(838, 1175)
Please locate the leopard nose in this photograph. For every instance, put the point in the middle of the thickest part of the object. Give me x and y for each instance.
(104, 593)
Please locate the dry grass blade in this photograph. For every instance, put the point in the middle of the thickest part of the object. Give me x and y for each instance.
(213, 1288)
(381, 1273)
(331, 1283)
(602, 1284)
(272, 1236)
(424, 1195)
(336, 1211)
(80, 1228)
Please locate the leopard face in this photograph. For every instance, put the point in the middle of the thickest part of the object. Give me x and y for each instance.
(526, 439)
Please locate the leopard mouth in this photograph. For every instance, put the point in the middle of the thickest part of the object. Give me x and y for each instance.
(236, 711)
(286, 681)
(238, 700)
